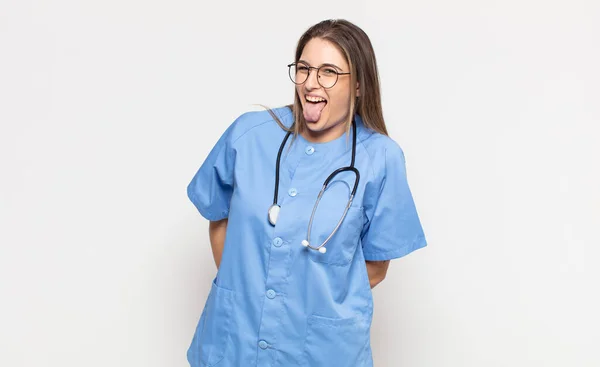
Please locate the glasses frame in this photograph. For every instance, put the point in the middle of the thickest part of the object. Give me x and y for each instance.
(337, 73)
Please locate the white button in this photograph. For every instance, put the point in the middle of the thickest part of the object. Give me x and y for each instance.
(271, 294)
(263, 344)
(292, 192)
(309, 150)
(277, 242)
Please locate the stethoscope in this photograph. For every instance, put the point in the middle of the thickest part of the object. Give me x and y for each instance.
(275, 208)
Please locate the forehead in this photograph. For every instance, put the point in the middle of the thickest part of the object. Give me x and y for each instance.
(319, 51)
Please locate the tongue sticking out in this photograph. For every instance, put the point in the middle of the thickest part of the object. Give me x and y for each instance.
(312, 111)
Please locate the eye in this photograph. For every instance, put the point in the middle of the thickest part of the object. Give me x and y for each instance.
(302, 68)
(329, 71)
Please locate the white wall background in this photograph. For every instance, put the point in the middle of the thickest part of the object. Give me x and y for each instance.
(107, 108)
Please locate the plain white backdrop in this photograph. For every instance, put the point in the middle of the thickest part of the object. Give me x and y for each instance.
(107, 109)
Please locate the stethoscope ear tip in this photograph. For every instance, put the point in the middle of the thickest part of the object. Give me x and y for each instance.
(322, 249)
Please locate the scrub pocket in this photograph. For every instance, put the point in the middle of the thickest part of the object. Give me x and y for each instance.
(336, 342)
(211, 338)
(342, 246)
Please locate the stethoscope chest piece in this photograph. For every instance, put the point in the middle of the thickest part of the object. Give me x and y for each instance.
(274, 213)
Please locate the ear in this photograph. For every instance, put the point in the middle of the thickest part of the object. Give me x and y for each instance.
(357, 89)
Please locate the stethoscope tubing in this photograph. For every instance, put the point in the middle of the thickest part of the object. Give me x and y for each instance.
(321, 248)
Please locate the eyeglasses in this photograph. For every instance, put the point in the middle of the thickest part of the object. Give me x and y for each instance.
(327, 75)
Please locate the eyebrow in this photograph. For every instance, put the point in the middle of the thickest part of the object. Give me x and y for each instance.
(325, 64)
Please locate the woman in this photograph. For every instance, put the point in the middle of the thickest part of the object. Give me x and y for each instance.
(285, 293)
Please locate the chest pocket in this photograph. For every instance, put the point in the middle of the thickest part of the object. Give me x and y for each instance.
(342, 246)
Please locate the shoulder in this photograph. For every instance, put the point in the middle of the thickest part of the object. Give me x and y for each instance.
(383, 152)
(252, 122)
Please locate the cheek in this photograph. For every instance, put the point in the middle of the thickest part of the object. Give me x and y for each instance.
(339, 103)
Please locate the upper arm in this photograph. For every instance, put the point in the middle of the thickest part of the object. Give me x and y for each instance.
(393, 228)
(211, 187)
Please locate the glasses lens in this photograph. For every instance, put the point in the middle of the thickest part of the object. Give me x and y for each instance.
(298, 73)
(327, 76)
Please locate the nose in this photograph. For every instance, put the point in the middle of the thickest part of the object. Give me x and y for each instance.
(312, 82)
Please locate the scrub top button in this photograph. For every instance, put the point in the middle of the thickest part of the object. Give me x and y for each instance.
(309, 150)
(271, 294)
(263, 344)
(277, 242)
(292, 192)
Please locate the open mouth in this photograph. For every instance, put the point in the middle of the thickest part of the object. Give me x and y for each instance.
(313, 108)
(313, 99)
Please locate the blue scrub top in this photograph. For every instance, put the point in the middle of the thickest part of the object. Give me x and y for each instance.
(275, 302)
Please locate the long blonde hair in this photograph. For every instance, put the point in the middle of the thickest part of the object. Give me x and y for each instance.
(356, 47)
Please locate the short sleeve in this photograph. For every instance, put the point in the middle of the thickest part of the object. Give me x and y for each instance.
(393, 229)
(212, 186)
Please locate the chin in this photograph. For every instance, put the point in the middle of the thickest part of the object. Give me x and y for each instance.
(318, 126)
(315, 126)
